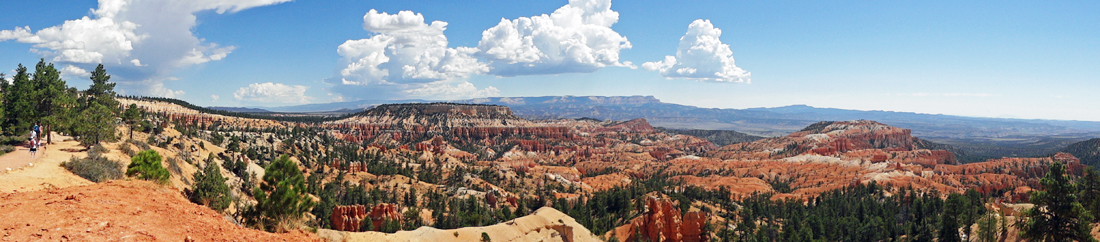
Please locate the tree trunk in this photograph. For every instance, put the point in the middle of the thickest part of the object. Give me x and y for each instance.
(49, 135)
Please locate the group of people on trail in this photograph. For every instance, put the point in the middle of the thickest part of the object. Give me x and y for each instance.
(36, 132)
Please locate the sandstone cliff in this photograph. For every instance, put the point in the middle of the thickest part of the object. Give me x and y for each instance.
(545, 224)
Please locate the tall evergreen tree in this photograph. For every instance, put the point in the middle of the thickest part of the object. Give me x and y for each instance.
(1090, 192)
(101, 91)
(954, 207)
(53, 102)
(95, 124)
(19, 102)
(131, 116)
(1057, 215)
(94, 121)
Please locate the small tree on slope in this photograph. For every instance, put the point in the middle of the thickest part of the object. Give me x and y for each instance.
(147, 166)
(210, 188)
(281, 200)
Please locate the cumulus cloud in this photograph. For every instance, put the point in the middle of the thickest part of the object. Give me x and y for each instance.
(405, 54)
(159, 90)
(214, 98)
(451, 90)
(71, 70)
(701, 56)
(142, 43)
(574, 38)
(408, 57)
(269, 92)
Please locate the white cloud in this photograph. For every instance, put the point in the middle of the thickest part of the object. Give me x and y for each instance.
(269, 92)
(70, 70)
(142, 43)
(445, 90)
(405, 54)
(157, 89)
(574, 38)
(336, 97)
(408, 57)
(701, 56)
(405, 50)
(214, 98)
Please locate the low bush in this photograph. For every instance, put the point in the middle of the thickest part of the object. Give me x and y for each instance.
(142, 145)
(95, 168)
(4, 149)
(127, 149)
(147, 166)
(13, 140)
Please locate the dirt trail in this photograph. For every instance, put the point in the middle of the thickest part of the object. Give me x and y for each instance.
(46, 171)
(119, 211)
(17, 159)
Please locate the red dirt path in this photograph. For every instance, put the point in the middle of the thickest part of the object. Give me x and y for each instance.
(119, 211)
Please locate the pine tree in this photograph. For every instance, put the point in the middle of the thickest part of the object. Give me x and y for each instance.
(101, 91)
(94, 124)
(210, 188)
(52, 100)
(131, 117)
(1090, 192)
(987, 228)
(1057, 215)
(19, 103)
(147, 166)
(281, 199)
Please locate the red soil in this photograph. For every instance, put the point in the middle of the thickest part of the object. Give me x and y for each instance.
(120, 211)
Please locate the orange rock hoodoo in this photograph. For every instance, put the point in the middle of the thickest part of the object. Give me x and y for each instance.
(662, 222)
(350, 218)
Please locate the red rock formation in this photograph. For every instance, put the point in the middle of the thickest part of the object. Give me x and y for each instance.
(382, 212)
(662, 223)
(348, 218)
(633, 126)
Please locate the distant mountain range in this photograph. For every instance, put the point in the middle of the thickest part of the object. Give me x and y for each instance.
(981, 137)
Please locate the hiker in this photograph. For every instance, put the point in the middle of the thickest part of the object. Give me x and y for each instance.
(34, 147)
(37, 128)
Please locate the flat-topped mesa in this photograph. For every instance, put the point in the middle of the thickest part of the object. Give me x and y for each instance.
(841, 138)
(455, 110)
(417, 121)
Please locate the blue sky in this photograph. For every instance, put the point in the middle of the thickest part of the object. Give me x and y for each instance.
(992, 59)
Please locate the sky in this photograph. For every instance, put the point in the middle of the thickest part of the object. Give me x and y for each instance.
(1010, 59)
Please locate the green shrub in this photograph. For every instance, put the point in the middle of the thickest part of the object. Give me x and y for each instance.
(485, 237)
(96, 150)
(210, 188)
(142, 145)
(281, 200)
(4, 149)
(217, 138)
(95, 168)
(147, 166)
(127, 149)
(174, 165)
